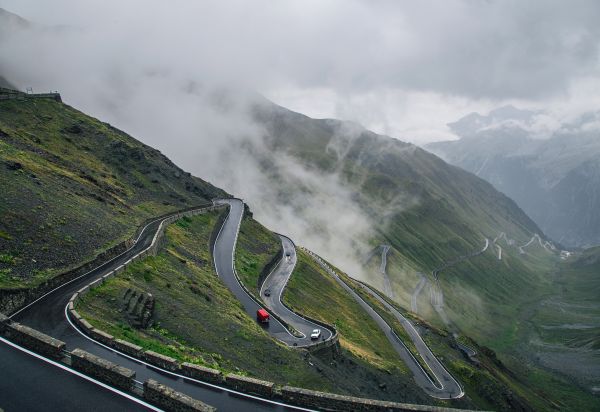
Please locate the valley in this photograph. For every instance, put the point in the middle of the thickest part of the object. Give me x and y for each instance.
(462, 343)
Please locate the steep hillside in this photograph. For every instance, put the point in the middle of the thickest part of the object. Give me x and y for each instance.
(5, 83)
(195, 318)
(564, 326)
(428, 210)
(554, 178)
(73, 186)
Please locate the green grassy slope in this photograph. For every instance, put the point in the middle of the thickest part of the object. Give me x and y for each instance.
(562, 330)
(528, 321)
(73, 186)
(312, 292)
(429, 211)
(256, 247)
(196, 318)
(489, 384)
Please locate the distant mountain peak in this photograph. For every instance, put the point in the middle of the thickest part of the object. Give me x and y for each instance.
(10, 20)
(507, 116)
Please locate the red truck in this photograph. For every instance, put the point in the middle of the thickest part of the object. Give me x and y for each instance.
(262, 316)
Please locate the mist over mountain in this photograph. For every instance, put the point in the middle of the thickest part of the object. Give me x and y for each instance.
(5, 83)
(550, 168)
(247, 98)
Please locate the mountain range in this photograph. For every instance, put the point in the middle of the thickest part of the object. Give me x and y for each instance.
(552, 173)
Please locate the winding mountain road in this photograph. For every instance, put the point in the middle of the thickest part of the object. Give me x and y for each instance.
(387, 284)
(48, 315)
(275, 283)
(443, 385)
(415, 295)
(223, 253)
(545, 244)
(437, 294)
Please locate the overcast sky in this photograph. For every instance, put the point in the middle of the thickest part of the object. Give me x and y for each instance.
(401, 68)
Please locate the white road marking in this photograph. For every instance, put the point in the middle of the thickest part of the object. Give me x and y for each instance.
(81, 375)
(245, 395)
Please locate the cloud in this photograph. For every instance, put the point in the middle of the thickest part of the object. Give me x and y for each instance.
(401, 68)
(406, 69)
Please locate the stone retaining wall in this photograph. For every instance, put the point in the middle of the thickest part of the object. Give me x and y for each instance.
(34, 340)
(127, 347)
(202, 373)
(102, 369)
(171, 400)
(250, 385)
(4, 321)
(330, 401)
(11, 300)
(162, 361)
(17, 95)
(99, 368)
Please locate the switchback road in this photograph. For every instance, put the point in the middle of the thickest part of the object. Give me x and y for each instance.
(275, 283)
(48, 315)
(443, 385)
(223, 253)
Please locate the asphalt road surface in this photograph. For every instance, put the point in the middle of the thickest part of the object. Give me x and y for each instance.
(443, 385)
(413, 299)
(48, 315)
(28, 383)
(222, 254)
(275, 283)
(387, 284)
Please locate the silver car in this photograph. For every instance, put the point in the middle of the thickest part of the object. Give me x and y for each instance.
(316, 334)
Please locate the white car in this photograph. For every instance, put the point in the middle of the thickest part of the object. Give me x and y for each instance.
(316, 334)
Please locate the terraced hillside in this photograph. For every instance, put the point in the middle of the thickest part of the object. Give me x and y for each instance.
(73, 186)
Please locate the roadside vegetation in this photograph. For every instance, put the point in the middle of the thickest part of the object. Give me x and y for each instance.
(256, 247)
(312, 292)
(195, 318)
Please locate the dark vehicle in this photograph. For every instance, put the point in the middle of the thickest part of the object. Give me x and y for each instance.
(267, 292)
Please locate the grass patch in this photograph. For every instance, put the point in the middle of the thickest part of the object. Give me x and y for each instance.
(196, 318)
(313, 292)
(255, 248)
